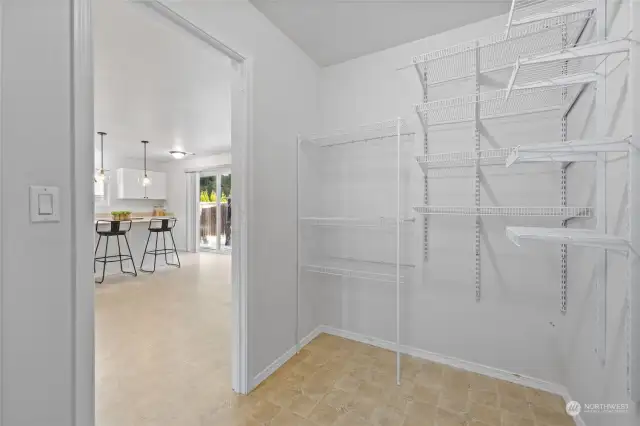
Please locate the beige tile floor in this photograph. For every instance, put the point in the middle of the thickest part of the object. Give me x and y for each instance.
(163, 359)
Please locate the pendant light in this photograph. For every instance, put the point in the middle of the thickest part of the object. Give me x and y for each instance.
(146, 181)
(100, 176)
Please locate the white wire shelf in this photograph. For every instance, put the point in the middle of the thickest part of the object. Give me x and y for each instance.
(564, 212)
(363, 134)
(500, 51)
(497, 104)
(571, 151)
(524, 12)
(580, 63)
(372, 262)
(355, 222)
(489, 157)
(351, 273)
(569, 236)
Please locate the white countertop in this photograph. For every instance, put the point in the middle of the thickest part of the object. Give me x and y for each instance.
(136, 219)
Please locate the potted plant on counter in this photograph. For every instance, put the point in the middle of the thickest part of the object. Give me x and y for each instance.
(121, 215)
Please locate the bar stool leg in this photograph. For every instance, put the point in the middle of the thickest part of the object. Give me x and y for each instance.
(144, 253)
(155, 254)
(175, 249)
(130, 257)
(104, 264)
(95, 253)
(119, 253)
(135, 272)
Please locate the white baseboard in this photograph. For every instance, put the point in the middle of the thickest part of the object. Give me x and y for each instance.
(264, 374)
(496, 373)
(451, 361)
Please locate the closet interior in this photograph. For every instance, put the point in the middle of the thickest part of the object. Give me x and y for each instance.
(454, 196)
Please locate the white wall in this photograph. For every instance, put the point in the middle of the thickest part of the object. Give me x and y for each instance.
(37, 308)
(283, 104)
(177, 187)
(154, 81)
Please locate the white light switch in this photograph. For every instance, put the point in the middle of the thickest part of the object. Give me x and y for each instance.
(44, 203)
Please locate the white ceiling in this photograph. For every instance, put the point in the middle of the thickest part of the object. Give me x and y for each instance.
(334, 31)
(153, 81)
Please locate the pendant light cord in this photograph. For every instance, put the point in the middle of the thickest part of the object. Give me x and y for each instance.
(145, 157)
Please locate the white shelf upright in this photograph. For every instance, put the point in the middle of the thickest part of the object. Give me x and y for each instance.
(393, 130)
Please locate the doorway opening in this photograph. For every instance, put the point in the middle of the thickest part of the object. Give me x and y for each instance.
(163, 339)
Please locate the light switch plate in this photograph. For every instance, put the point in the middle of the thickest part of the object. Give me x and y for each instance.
(44, 203)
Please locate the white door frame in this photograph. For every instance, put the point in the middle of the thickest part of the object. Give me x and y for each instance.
(82, 202)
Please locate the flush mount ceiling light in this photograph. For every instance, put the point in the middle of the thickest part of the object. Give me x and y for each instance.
(178, 155)
(145, 181)
(100, 176)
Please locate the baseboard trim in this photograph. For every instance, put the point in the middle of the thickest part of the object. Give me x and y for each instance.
(264, 374)
(451, 361)
(496, 373)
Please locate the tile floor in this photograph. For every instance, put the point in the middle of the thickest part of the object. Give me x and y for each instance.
(162, 359)
(338, 382)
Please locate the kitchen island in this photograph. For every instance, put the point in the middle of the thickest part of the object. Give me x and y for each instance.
(137, 238)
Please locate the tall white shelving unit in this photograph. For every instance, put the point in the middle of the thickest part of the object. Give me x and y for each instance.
(550, 66)
(386, 227)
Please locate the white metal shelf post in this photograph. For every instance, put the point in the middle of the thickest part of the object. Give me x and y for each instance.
(478, 177)
(398, 230)
(563, 189)
(425, 98)
(601, 192)
(633, 291)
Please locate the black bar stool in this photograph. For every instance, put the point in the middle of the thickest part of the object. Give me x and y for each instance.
(113, 228)
(163, 226)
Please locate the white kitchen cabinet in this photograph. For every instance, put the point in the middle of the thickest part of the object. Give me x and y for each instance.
(158, 188)
(130, 185)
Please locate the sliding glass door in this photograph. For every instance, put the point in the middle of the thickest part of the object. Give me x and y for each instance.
(215, 211)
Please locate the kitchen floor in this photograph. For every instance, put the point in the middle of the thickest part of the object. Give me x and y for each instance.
(163, 358)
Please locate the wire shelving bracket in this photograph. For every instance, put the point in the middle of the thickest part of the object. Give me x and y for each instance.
(579, 64)
(569, 236)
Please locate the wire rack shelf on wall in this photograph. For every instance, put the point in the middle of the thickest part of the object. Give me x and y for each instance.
(487, 157)
(575, 64)
(500, 51)
(366, 133)
(570, 151)
(356, 222)
(497, 104)
(569, 236)
(524, 12)
(370, 261)
(352, 273)
(562, 212)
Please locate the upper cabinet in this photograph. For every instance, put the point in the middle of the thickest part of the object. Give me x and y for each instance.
(130, 185)
(158, 188)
